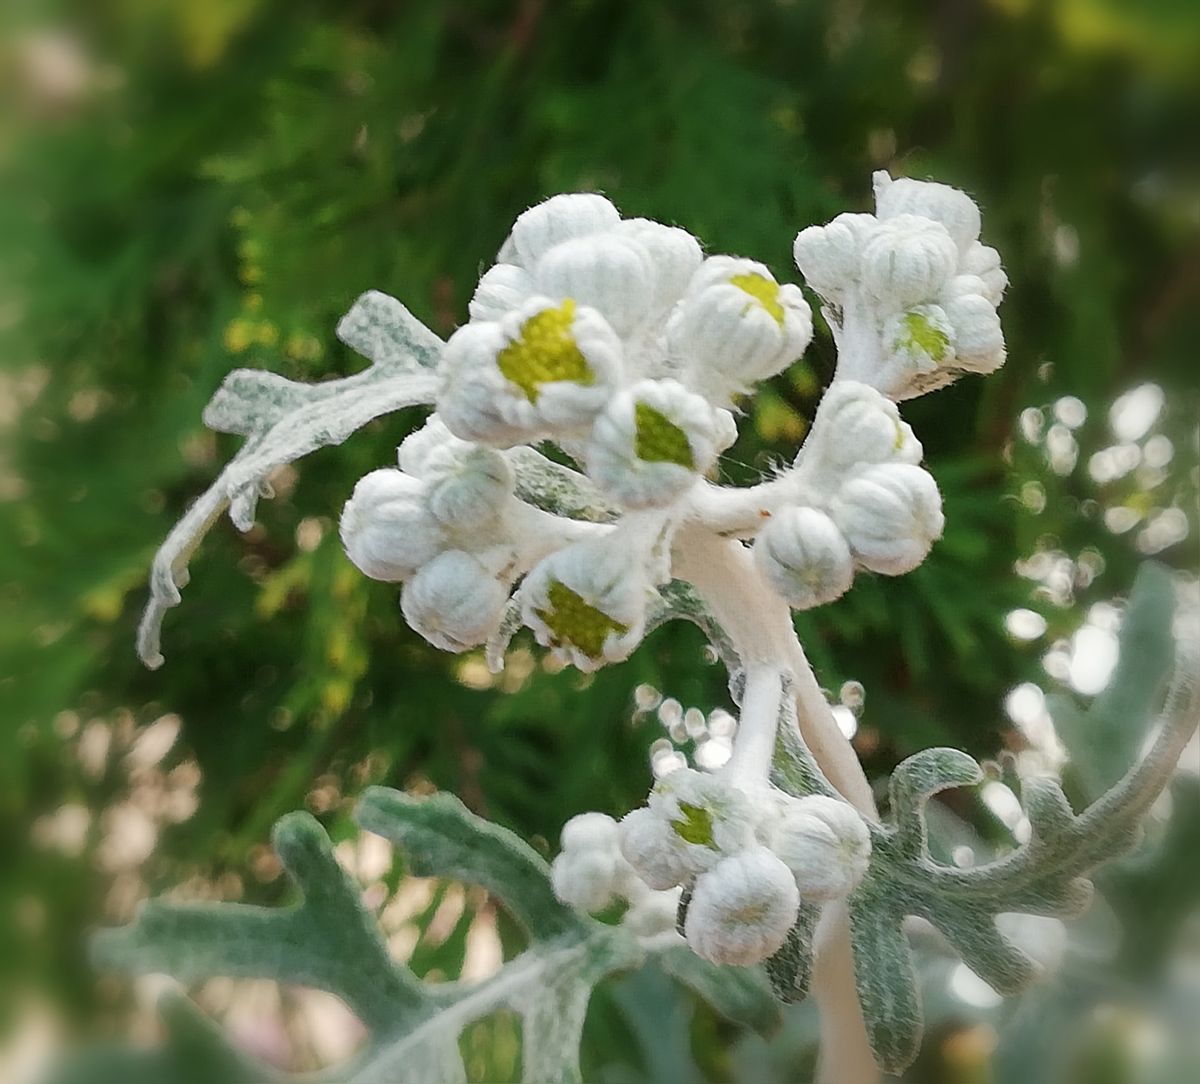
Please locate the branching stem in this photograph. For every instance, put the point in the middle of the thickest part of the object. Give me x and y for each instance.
(760, 625)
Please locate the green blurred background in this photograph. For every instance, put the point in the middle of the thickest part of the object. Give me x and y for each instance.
(194, 185)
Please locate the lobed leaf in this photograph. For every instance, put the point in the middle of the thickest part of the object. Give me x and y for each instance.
(283, 420)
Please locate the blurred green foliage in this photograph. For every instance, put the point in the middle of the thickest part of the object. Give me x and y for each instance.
(196, 185)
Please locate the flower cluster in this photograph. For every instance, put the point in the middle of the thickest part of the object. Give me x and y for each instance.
(622, 344)
(747, 854)
(618, 340)
(910, 291)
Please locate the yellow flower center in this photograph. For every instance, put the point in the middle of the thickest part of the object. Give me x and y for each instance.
(546, 352)
(576, 622)
(763, 290)
(921, 336)
(696, 826)
(657, 439)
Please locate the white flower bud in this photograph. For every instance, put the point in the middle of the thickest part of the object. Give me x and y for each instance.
(954, 209)
(652, 913)
(419, 446)
(454, 602)
(651, 443)
(978, 337)
(855, 424)
(587, 602)
(558, 219)
(984, 261)
(544, 369)
(829, 256)
(674, 255)
(742, 910)
(826, 845)
(692, 820)
(611, 274)
(589, 871)
(386, 529)
(466, 490)
(907, 261)
(803, 556)
(502, 288)
(919, 339)
(651, 848)
(736, 325)
(891, 515)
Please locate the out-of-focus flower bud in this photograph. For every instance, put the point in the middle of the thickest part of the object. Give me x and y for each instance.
(825, 843)
(386, 529)
(609, 273)
(674, 257)
(978, 337)
(829, 257)
(589, 871)
(803, 556)
(742, 910)
(927, 199)
(454, 602)
(501, 289)
(984, 261)
(467, 490)
(907, 261)
(558, 219)
(891, 515)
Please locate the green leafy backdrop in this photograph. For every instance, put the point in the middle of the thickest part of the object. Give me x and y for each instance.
(203, 184)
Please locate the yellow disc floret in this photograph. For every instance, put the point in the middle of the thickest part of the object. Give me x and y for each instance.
(545, 352)
(763, 290)
(657, 439)
(696, 827)
(919, 335)
(576, 622)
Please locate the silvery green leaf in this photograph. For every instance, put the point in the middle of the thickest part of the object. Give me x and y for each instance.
(1045, 876)
(554, 488)
(678, 601)
(283, 420)
(329, 941)
(740, 994)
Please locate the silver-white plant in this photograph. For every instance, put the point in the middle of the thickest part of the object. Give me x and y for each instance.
(621, 343)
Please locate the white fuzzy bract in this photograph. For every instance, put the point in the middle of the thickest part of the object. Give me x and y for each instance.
(825, 844)
(742, 909)
(891, 515)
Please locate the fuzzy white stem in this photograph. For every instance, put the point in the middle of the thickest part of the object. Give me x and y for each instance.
(755, 741)
(760, 626)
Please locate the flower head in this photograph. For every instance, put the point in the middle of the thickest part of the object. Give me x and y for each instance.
(386, 529)
(742, 909)
(454, 602)
(825, 844)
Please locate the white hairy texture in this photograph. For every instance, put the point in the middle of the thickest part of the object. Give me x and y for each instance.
(607, 272)
(830, 256)
(908, 260)
(416, 449)
(855, 426)
(891, 515)
(478, 402)
(978, 338)
(634, 482)
(558, 219)
(825, 843)
(607, 577)
(674, 256)
(386, 529)
(984, 262)
(804, 557)
(742, 909)
(727, 337)
(955, 210)
(467, 490)
(502, 288)
(650, 846)
(454, 602)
